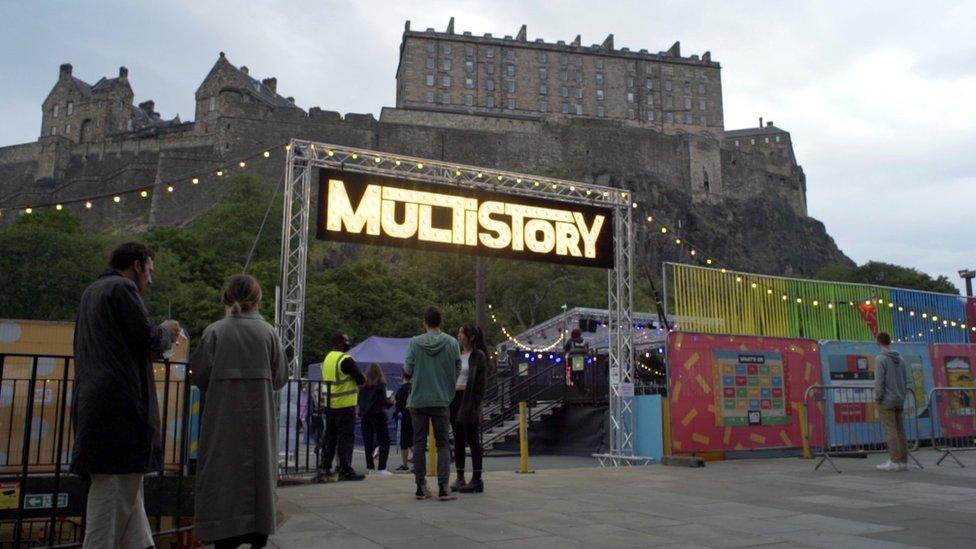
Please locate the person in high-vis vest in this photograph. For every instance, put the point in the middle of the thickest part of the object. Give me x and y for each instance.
(577, 351)
(339, 396)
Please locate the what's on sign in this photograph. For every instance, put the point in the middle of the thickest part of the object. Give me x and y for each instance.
(373, 209)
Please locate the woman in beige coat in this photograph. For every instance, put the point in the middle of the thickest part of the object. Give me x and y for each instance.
(238, 365)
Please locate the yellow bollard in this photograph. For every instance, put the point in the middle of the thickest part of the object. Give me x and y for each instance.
(431, 452)
(523, 430)
(801, 413)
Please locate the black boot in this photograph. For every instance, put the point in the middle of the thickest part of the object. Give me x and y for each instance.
(458, 482)
(422, 491)
(476, 486)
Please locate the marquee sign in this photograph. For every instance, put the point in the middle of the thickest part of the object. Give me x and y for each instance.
(374, 209)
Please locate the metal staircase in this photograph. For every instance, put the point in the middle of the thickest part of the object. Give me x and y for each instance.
(543, 391)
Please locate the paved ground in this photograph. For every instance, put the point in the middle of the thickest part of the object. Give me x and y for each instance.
(769, 503)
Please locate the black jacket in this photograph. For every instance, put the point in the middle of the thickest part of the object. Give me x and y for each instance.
(115, 410)
(401, 398)
(373, 400)
(474, 391)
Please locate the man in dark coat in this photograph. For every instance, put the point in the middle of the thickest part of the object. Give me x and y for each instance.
(116, 413)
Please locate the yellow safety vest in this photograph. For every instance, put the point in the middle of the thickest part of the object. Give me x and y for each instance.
(339, 390)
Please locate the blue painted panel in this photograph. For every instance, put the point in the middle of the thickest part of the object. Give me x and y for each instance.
(947, 308)
(650, 439)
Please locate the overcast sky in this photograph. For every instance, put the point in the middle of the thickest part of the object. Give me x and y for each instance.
(880, 97)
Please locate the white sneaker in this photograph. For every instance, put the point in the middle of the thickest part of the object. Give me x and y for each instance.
(902, 466)
(384, 472)
(888, 466)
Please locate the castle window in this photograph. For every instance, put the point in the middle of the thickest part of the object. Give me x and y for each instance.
(445, 98)
(490, 102)
(430, 97)
(543, 89)
(579, 77)
(687, 86)
(430, 79)
(509, 53)
(55, 110)
(668, 71)
(469, 50)
(565, 108)
(445, 64)
(564, 91)
(649, 83)
(630, 97)
(701, 89)
(446, 49)
(446, 81)
(599, 95)
(668, 102)
(469, 83)
(579, 109)
(563, 61)
(631, 66)
(67, 130)
(688, 118)
(669, 117)
(468, 99)
(510, 70)
(543, 58)
(650, 100)
(701, 103)
(599, 79)
(510, 86)
(490, 68)
(128, 125)
(767, 139)
(736, 142)
(71, 108)
(490, 53)
(490, 85)
(543, 73)
(599, 62)
(649, 115)
(468, 66)
(564, 75)
(54, 130)
(511, 103)
(543, 105)
(777, 139)
(579, 93)
(668, 86)
(431, 48)
(631, 114)
(579, 61)
(752, 140)
(630, 81)
(430, 63)
(599, 111)
(701, 120)
(687, 103)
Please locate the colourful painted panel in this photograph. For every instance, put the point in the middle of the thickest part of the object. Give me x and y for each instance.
(726, 302)
(955, 366)
(737, 392)
(951, 324)
(851, 364)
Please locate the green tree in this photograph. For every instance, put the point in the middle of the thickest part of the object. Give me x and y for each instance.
(887, 274)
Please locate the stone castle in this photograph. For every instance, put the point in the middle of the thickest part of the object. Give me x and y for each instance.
(649, 121)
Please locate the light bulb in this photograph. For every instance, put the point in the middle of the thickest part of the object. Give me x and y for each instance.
(117, 199)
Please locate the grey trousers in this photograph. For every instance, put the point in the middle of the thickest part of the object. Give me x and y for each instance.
(438, 417)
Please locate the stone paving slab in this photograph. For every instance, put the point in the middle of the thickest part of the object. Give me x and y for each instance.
(748, 503)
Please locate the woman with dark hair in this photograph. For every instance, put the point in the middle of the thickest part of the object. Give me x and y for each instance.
(238, 365)
(466, 407)
(373, 402)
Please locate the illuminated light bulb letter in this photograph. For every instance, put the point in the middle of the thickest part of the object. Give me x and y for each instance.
(427, 231)
(340, 212)
(567, 239)
(502, 236)
(591, 234)
(407, 229)
(518, 225)
(536, 227)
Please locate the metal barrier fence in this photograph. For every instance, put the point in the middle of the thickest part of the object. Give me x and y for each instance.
(953, 412)
(40, 503)
(843, 421)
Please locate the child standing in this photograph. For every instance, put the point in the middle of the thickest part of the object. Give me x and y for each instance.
(406, 426)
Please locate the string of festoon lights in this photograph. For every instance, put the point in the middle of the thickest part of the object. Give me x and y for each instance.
(697, 254)
(521, 345)
(143, 192)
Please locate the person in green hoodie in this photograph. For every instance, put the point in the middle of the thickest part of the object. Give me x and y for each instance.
(433, 363)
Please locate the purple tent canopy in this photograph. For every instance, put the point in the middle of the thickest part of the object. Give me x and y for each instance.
(388, 352)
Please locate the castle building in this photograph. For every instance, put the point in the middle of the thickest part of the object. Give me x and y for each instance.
(463, 73)
(652, 122)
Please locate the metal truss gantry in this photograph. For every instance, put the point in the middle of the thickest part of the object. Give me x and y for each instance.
(304, 157)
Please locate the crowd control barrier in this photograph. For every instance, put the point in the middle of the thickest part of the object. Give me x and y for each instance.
(955, 408)
(843, 421)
